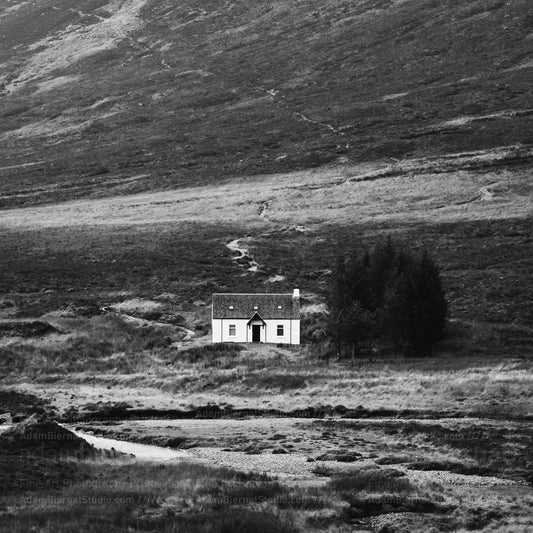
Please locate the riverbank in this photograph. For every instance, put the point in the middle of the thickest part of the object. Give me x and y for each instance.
(281, 475)
(193, 382)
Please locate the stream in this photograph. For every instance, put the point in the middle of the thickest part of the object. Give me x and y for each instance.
(143, 452)
(244, 259)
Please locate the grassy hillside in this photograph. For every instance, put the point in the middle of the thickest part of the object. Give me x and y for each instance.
(474, 218)
(105, 97)
(417, 114)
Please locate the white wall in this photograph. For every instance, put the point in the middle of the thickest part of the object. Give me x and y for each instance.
(288, 331)
(243, 332)
(221, 326)
(295, 338)
(216, 330)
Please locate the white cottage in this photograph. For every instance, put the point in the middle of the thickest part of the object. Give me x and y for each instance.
(256, 318)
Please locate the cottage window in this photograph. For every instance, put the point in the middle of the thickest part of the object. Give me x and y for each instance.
(280, 330)
(232, 330)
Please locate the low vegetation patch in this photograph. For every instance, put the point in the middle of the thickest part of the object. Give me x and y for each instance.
(21, 405)
(283, 382)
(208, 354)
(487, 450)
(39, 454)
(89, 347)
(42, 437)
(375, 491)
(385, 504)
(372, 480)
(450, 466)
(138, 497)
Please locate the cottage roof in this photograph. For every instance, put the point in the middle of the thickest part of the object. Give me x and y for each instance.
(268, 306)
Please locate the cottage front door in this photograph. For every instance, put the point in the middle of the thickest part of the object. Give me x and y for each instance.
(256, 333)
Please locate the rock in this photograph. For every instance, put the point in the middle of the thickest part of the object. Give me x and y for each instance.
(393, 460)
(176, 442)
(339, 456)
(189, 445)
(279, 451)
(252, 450)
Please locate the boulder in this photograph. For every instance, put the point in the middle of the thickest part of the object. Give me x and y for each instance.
(340, 456)
(279, 451)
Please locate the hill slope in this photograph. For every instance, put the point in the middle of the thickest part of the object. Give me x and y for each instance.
(116, 96)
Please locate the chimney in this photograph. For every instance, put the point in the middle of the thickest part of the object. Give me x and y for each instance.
(296, 293)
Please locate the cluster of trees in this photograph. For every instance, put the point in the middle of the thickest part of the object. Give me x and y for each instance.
(388, 294)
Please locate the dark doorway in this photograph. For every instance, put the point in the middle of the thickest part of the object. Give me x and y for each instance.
(256, 333)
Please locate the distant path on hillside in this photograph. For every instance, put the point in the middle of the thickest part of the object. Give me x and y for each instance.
(242, 255)
(79, 13)
(281, 102)
(23, 165)
(243, 258)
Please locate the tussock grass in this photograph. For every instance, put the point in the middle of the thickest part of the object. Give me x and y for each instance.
(372, 480)
(374, 491)
(113, 354)
(181, 497)
(209, 354)
(190, 497)
(89, 348)
(276, 380)
(241, 492)
(119, 517)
